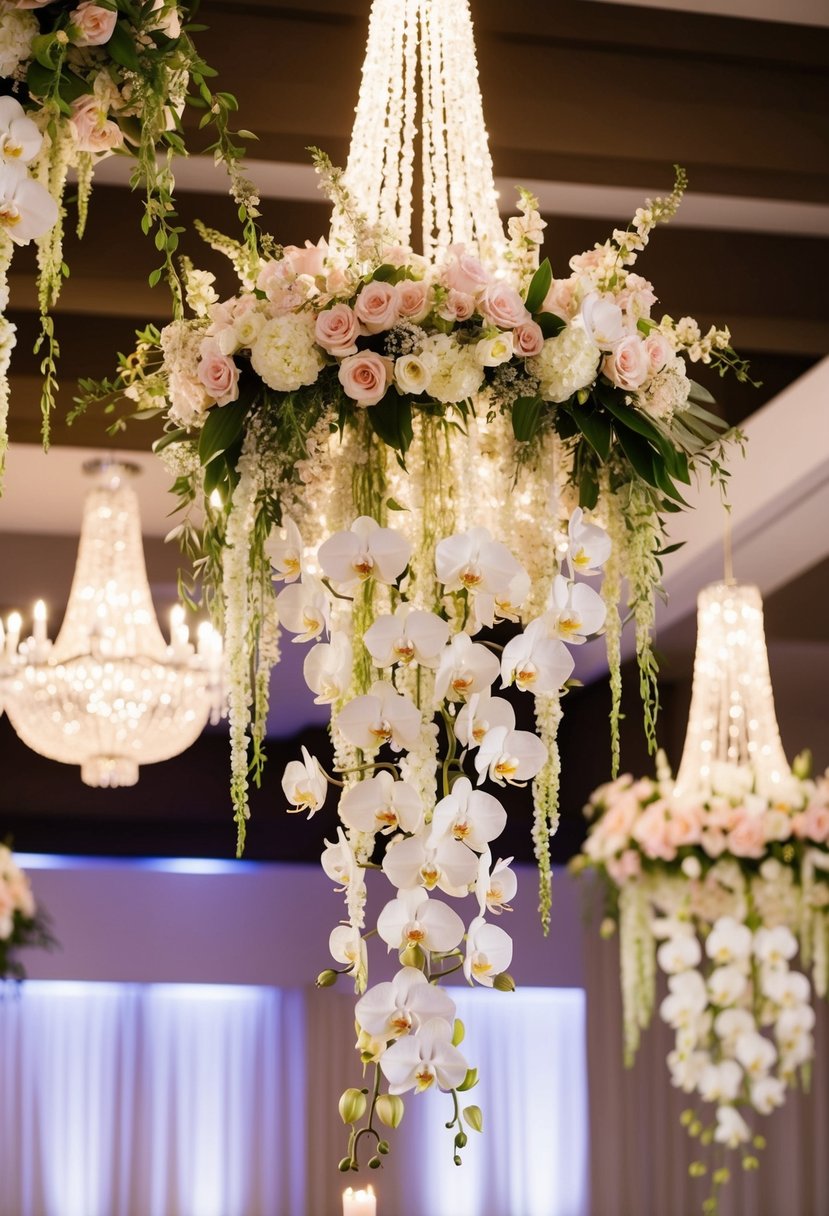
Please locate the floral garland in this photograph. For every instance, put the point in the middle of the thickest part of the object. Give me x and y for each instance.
(719, 893)
(401, 463)
(22, 924)
(84, 81)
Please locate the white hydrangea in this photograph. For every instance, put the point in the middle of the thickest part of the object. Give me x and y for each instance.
(457, 373)
(567, 363)
(17, 29)
(285, 354)
(667, 391)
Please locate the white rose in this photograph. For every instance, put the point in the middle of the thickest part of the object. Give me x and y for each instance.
(492, 352)
(413, 372)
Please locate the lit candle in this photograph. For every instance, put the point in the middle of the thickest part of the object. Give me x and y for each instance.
(40, 623)
(359, 1203)
(13, 625)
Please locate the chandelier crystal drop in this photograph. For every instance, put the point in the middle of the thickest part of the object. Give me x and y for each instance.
(109, 693)
(732, 719)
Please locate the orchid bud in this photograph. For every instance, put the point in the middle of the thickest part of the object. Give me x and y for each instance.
(389, 1109)
(474, 1117)
(345, 1165)
(469, 1081)
(327, 978)
(413, 956)
(375, 1163)
(607, 928)
(802, 765)
(458, 1033)
(504, 982)
(383, 1147)
(352, 1105)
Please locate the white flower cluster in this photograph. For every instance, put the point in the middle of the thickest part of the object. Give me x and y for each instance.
(17, 30)
(15, 893)
(567, 363)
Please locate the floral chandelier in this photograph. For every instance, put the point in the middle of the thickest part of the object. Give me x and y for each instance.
(717, 881)
(109, 693)
(420, 466)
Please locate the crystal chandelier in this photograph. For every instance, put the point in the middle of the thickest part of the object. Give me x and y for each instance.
(109, 693)
(732, 720)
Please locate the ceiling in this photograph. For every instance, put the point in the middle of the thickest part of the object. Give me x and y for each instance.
(589, 103)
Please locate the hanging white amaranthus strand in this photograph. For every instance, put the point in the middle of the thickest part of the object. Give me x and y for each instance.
(612, 595)
(548, 717)
(644, 539)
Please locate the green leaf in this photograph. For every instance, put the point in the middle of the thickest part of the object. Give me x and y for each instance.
(388, 273)
(175, 436)
(700, 393)
(540, 285)
(551, 325)
(122, 48)
(393, 505)
(638, 452)
(391, 421)
(588, 486)
(47, 51)
(670, 548)
(215, 475)
(596, 429)
(223, 427)
(526, 414)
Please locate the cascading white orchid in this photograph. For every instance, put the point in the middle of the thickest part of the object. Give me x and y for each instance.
(285, 552)
(304, 608)
(27, 209)
(440, 861)
(488, 952)
(364, 552)
(469, 815)
(475, 562)
(327, 669)
(380, 716)
(419, 1060)
(577, 612)
(381, 804)
(304, 784)
(20, 138)
(480, 714)
(413, 919)
(464, 667)
(407, 636)
(588, 545)
(495, 887)
(536, 662)
(403, 1005)
(509, 756)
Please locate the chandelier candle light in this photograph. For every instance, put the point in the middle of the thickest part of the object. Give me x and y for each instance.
(387, 455)
(110, 693)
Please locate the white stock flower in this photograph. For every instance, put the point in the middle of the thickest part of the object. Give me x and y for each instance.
(488, 952)
(413, 919)
(496, 887)
(381, 804)
(380, 716)
(726, 985)
(285, 354)
(477, 562)
(469, 815)
(304, 608)
(588, 545)
(603, 320)
(679, 953)
(20, 138)
(410, 635)
(285, 552)
(509, 756)
(577, 611)
(27, 209)
(465, 667)
(720, 1082)
(419, 1060)
(392, 1009)
(535, 662)
(568, 362)
(732, 1129)
(304, 784)
(686, 999)
(441, 862)
(756, 1054)
(767, 1093)
(480, 713)
(365, 551)
(774, 947)
(729, 941)
(327, 669)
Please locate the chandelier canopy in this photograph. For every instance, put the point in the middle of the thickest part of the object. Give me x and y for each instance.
(109, 693)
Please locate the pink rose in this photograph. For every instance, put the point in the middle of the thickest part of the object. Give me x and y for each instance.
(336, 331)
(623, 868)
(94, 132)
(457, 306)
(747, 837)
(464, 272)
(217, 373)
(528, 339)
(627, 366)
(365, 377)
(652, 832)
(305, 261)
(501, 305)
(560, 299)
(395, 255)
(713, 841)
(338, 282)
(658, 350)
(813, 823)
(91, 25)
(684, 826)
(413, 299)
(376, 306)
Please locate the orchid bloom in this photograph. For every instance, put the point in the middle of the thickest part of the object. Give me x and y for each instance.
(285, 552)
(304, 784)
(390, 1010)
(577, 612)
(441, 862)
(729, 941)
(479, 714)
(27, 209)
(413, 919)
(304, 608)
(474, 561)
(465, 667)
(726, 985)
(732, 1129)
(20, 139)
(535, 662)
(327, 669)
(506, 606)
(380, 716)
(338, 860)
(488, 952)
(347, 946)
(496, 887)
(381, 804)
(365, 551)
(418, 1061)
(409, 636)
(678, 953)
(720, 1082)
(510, 756)
(588, 545)
(774, 947)
(469, 815)
(686, 1000)
(756, 1054)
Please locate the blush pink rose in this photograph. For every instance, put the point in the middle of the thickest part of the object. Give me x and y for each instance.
(336, 331)
(713, 840)
(457, 306)
(501, 305)
(308, 260)
(464, 272)
(94, 132)
(658, 350)
(376, 306)
(528, 339)
(652, 832)
(813, 823)
(622, 869)
(91, 25)
(560, 300)
(412, 299)
(684, 826)
(365, 377)
(747, 837)
(627, 365)
(217, 373)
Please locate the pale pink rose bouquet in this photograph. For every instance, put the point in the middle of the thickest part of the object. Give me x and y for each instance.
(22, 924)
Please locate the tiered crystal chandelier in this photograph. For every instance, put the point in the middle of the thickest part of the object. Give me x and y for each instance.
(732, 720)
(110, 694)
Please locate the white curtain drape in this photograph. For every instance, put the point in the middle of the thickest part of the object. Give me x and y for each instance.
(194, 1100)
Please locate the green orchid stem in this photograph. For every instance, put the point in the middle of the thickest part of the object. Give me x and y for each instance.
(364, 768)
(369, 1129)
(451, 753)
